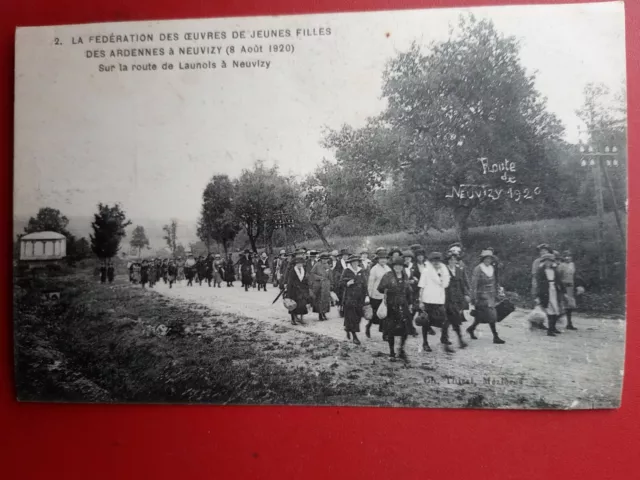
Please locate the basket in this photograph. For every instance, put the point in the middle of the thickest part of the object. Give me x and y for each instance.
(367, 312)
(289, 304)
(267, 271)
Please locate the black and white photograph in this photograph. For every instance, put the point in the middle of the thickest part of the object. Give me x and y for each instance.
(411, 208)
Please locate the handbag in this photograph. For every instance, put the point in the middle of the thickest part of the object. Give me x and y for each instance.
(504, 309)
(422, 319)
(382, 312)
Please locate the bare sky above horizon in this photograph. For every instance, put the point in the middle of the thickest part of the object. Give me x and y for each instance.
(151, 140)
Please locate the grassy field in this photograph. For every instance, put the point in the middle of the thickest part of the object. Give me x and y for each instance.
(516, 247)
(103, 344)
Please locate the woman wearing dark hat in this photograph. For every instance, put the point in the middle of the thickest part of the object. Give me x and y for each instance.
(297, 289)
(378, 271)
(394, 253)
(172, 272)
(246, 270)
(433, 284)
(190, 269)
(229, 270)
(144, 273)
(355, 296)
(397, 291)
(549, 291)
(320, 279)
(484, 294)
(340, 267)
(572, 283)
(456, 300)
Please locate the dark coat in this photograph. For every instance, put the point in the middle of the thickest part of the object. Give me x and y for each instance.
(458, 288)
(246, 270)
(542, 287)
(320, 280)
(354, 296)
(144, 274)
(261, 277)
(229, 271)
(298, 291)
(399, 297)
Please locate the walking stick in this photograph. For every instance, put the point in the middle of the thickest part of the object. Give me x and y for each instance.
(279, 295)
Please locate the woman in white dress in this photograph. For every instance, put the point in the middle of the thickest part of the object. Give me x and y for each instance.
(549, 291)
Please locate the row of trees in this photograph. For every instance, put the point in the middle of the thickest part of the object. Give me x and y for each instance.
(463, 99)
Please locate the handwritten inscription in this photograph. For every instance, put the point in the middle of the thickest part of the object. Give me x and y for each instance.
(504, 176)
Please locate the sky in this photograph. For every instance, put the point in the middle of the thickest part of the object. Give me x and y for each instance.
(152, 140)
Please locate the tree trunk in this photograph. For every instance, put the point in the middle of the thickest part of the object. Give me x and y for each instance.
(461, 215)
(319, 231)
(252, 240)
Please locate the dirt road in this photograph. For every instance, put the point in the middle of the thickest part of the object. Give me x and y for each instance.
(578, 369)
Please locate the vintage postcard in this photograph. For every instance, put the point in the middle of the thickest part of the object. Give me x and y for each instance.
(418, 208)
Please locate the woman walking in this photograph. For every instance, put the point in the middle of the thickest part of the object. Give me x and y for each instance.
(229, 271)
(396, 287)
(549, 292)
(298, 290)
(246, 270)
(354, 286)
(172, 273)
(570, 280)
(218, 270)
(456, 300)
(144, 273)
(378, 271)
(190, 269)
(484, 294)
(262, 277)
(321, 286)
(433, 283)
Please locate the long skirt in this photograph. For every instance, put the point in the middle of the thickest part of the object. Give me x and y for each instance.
(570, 296)
(454, 315)
(180, 273)
(217, 275)
(396, 322)
(486, 314)
(375, 304)
(321, 298)
(352, 316)
(554, 307)
(437, 314)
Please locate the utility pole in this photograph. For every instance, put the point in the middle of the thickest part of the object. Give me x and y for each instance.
(598, 160)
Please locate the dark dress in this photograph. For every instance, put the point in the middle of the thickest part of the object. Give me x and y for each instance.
(246, 269)
(298, 291)
(399, 295)
(229, 271)
(354, 296)
(261, 277)
(144, 274)
(455, 302)
(201, 268)
(321, 287)
(110, 273)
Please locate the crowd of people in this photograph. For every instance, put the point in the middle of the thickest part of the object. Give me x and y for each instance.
(396, 290)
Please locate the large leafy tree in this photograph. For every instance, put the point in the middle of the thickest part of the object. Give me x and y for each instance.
(332, 191)
(261, 196)
(465, 99)
(48, 220)
(108, 226)
(217, 221)
(139, 238)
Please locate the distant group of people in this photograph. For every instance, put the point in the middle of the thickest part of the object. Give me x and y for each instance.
(397, 289)
(107, 271)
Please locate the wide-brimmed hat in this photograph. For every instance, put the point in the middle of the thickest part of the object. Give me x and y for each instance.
(334, 253)
(420, 251)
(313, 253)
(395, 250)
(486, 253)
(397, 261)
(298, 260)
(382, 253)
(283, 252)
(300, 251)
(567, 253)
(408, 254)
(454, 245)
(324, 256)
(364, 250)
(380, 249)
(264, 254)
(246, 250)
(217, 255)
(435, 256)
(344, 251)
(548, 256)
(543, 246)
(353, 258)
(415, 246)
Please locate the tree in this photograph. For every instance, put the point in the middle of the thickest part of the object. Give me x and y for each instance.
(80, 248)
(332, 191)
(48, 220)
(170, 235)
(466, 100)
(261, 195)
(217, 221)
(139, 239)
(180, 251)
(108, 230)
